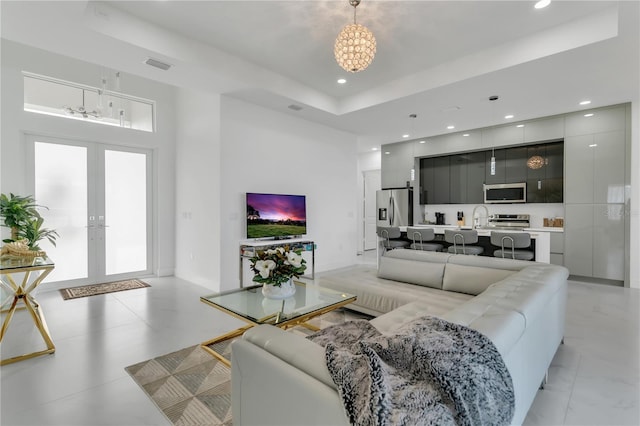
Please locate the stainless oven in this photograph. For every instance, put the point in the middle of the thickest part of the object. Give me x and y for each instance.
(504, 193)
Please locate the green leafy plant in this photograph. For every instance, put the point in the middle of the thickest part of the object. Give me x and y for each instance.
(16, 212)
(33, 232)
(20, 214)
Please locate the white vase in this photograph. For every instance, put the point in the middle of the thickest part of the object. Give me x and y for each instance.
(284, 290)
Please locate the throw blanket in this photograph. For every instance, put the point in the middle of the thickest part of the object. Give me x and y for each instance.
(430, 372)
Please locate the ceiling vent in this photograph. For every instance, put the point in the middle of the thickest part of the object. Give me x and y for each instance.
(158, 64)
(295, 107)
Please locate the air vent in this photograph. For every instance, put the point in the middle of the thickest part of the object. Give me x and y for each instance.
(295, 107)
(158, 64)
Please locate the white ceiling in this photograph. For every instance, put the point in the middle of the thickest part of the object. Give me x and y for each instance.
(439, 60)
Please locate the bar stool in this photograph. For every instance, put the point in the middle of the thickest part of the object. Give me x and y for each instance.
(391, 237)
(460, 238)
(509, 242)
(421, 238)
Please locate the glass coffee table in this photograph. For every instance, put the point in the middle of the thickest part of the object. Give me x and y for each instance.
(249, 305)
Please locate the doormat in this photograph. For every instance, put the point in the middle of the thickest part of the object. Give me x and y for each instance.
(94, 289)
(189, 386)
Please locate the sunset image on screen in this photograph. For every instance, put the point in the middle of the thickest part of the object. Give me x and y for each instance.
(275, 215)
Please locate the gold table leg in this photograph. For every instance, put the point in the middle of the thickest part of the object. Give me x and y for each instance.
(22, 293)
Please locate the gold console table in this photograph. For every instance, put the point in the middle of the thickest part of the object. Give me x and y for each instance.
(19, 288)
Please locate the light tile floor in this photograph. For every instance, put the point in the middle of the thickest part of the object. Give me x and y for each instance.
(594, 378)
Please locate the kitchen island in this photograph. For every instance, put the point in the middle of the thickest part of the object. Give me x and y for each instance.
(540, 237)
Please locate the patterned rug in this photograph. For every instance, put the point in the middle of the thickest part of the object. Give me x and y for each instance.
(94, 289)
(191, 387)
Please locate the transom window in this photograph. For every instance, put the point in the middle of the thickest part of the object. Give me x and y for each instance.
(52, 96)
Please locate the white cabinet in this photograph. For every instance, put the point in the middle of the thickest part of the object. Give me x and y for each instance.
(594, 168)
(595, 240)
(397, 161)
(596, 172)
(556, 240)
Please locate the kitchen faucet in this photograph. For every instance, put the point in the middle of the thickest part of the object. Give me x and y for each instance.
(476, 220)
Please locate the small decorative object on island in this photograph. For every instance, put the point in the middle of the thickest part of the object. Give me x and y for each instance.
(275, 270)
(21, 215)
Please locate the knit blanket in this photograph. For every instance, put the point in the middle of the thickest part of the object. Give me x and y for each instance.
(429, 372)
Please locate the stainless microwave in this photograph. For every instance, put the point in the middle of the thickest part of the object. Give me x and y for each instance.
(504, 193)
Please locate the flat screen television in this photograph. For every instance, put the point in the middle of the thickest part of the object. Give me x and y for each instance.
(276, 215)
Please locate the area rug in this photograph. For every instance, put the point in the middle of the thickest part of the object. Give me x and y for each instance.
(191, 387)
(94, 289)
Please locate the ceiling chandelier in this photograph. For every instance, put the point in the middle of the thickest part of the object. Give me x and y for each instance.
(355, 45)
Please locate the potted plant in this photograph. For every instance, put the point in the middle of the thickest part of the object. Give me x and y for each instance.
(20, 214)
(275, 270)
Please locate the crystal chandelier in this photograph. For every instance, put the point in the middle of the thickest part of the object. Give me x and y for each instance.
(355, 45)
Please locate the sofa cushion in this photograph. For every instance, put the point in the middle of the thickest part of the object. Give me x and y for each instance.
(422, 273)
(502, 325)
(437, 304)
(490, 262)
(471, 279)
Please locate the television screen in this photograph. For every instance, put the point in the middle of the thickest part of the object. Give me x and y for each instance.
(275, 215)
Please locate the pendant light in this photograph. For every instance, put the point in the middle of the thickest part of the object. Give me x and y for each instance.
(493, 151)
(355, 46)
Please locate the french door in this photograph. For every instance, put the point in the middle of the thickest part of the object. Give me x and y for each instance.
(98, 198)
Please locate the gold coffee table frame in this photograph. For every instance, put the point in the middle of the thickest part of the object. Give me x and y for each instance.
(21, 289)
(279, 318)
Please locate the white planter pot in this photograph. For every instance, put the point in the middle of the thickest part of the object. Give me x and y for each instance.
(286, 289)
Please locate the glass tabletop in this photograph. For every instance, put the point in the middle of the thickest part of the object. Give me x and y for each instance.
(249, 303)
(8, 262)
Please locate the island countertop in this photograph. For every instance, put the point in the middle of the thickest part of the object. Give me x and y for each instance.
(541, 235)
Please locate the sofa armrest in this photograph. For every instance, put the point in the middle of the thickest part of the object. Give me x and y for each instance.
(271, 383)
(293, 349)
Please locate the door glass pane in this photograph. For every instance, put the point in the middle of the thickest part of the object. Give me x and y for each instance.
(125, 212)
(61, 185)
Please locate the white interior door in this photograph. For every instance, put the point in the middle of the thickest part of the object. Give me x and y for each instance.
(372, 183)
(98, 198)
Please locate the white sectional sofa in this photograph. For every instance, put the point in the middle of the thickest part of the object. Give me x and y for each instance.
(280, 378)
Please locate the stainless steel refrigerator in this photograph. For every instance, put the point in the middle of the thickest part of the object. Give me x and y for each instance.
(394, 207)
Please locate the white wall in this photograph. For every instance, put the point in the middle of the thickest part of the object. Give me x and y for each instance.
(370, 160)
(198, 184)
(16, 123)
(268, 151)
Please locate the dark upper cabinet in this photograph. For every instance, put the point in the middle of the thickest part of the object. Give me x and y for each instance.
(515, 165)
(554, 173)
(545, 165)
(475, 177)
(426, 181)
(536, 159)
(500, 175)
(441, 180)
(458, 179)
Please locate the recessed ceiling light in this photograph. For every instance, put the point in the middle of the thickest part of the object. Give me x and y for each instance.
(466, 134)
(508, 116)
(593, 145)
(451, 127)
(585, 102)
(405, 136)
(342, 80)
(387, 152)
(423, 141)
(520, 125)
(542, 4)
(374, 149)
(589, 115)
